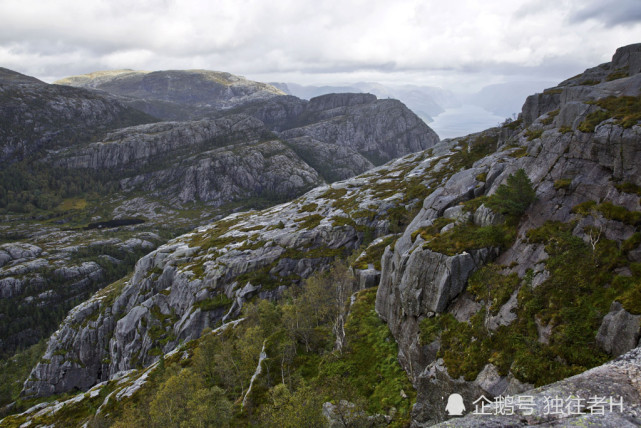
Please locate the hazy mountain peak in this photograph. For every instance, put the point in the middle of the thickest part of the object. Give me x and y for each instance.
(13, 77)
(177, 94)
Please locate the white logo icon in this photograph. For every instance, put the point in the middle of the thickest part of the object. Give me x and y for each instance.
(455, 406)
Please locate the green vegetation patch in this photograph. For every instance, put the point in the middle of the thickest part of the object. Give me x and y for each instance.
(373, 254)
(609, 211)
(626, 111)
(619, 213)
(212, 238)
(473, 204)
(533, 134)
(369, 365)
(219, 301)
(550, 117)
(308, 208)
(493, 288)
(467, 237)
(252, 243)
(584, 208)
(511, 199)
(572, 301)
(334, 193)
(429, 232)
(514, 197)
(562, 183)
(618, 74)
(627, 187)
(310, 221)
(630, 299)
(513, 124)
(339, 221)
(519, 153)
(14, 371)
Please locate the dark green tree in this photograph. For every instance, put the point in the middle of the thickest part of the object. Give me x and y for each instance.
(513, 198)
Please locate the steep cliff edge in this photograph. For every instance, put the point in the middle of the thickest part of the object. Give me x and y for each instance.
(540, 311)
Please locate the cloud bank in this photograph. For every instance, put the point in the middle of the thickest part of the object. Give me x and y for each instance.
(457, 44)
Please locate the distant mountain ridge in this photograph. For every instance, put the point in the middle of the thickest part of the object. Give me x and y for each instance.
(425, 101)
(176, 94)
(37, 115)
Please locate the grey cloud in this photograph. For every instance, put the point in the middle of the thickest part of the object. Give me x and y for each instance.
(609, 12)
(334, 40)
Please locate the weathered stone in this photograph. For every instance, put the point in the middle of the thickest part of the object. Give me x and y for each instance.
(367, 278)
(458, 213)
(617, 382)
(591, 161)
(628, 56)
(18, 251)
(10, 287)
(177, 279)
(491, 381)
(484, 216)
(619, 331)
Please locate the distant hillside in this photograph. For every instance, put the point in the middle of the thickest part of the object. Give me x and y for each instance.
(35, 115)
(425, 101)
(176, 94)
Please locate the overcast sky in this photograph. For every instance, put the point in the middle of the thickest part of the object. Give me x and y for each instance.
(456, 44)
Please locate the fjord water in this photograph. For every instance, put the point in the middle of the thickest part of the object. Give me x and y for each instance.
(464, 120)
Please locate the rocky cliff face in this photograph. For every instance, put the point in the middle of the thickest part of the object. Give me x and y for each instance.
(237, 156)
(171, 175)
(484, 296)
(343, 134)
(42, 279)
(213, 161)
(36, 115)
(582, 156)
(203, 278)
(359, 122)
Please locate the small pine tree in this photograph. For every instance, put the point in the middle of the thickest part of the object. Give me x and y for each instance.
(513, 198)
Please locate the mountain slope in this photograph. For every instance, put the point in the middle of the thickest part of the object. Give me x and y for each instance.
(78, 213)
(425, 101)
(504, 260)
(539, 307)
(176, 94)
(36, 115)
(208, 275)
